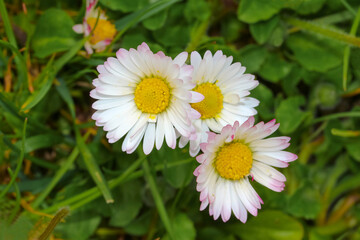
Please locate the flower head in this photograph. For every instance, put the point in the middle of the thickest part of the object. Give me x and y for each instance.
(144, 95)
(225, 88)
(95, 21)
(230, 158)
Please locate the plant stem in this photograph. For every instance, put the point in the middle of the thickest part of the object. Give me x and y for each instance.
(335, 116)
(158, 201)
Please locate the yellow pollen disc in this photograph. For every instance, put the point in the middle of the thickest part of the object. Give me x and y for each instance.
(212, 103)
(233, 161)
(152, 95)
(104, 30)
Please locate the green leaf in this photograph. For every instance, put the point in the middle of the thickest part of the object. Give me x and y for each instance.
(18, 230)
(64, 92)
(178, 176)
(183, 228)
(315, 54)
(289, 115)
(197, 10)
(124, 6)
(178, 35)
(53, 33)
(307, 6)
(79, 225)
(40, 141)
(156, 21)
(140, 225)
(305, 202)
(275, 68)
(262, 31)
(93, 167)
(266, 98)
(354, 149)
(252, 57)
(269, 224)
(127, 204)
(251, 11)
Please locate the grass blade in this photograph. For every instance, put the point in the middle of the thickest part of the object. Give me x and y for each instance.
(353, 31)
(19, 163)
(93, 168)
(66, 96)
(327, 32)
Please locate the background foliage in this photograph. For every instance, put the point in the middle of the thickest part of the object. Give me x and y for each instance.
(305, 54)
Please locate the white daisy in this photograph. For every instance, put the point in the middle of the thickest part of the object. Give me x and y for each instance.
(225, 87)
(230, 158)
(143, 94)
(104, 31)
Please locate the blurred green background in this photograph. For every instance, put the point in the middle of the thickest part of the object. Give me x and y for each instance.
(305, 54)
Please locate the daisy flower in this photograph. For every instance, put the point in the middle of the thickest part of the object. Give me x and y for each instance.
(230, 158)
(104, 31)
(145, 95)
(225, 88)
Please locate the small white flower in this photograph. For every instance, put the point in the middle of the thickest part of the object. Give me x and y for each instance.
(104, 31)
(225, 88)
(144, 95)
(230, 158)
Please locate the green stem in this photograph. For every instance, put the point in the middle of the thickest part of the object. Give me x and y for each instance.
(335, 116)
(19, 163)
(50, 228)
(315, 28)
(157, 198)
(348, 7)
(197, 35)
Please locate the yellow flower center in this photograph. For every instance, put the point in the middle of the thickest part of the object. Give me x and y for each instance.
(233, 161)
(104, 30)
(152, 95)
(212, 103)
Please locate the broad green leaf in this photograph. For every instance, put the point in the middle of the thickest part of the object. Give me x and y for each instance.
(178, 176)
(178, 35)
(251, 11)
(156, 21)
(127, 204)
(289, 115)
(124, 6)
(315, 54)
(53, 33)
(79, 225)
(210, 233)
(140, 225)
(252, 57)
(266, 98)
(261, 31)
(275, 68)
(307, 6)
(305, 202)
(183, 228)
(354, 149)
(197, 10)
(40, 141)
(18, 230)
(326, 95)
(269, 224)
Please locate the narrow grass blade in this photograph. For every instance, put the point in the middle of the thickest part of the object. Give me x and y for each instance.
(158, 201)
(93, 193)
(353, 31)
(19, 163)
(93, 168)
(335, 116)
(64, 92)
(15, 210)
(325, 31)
